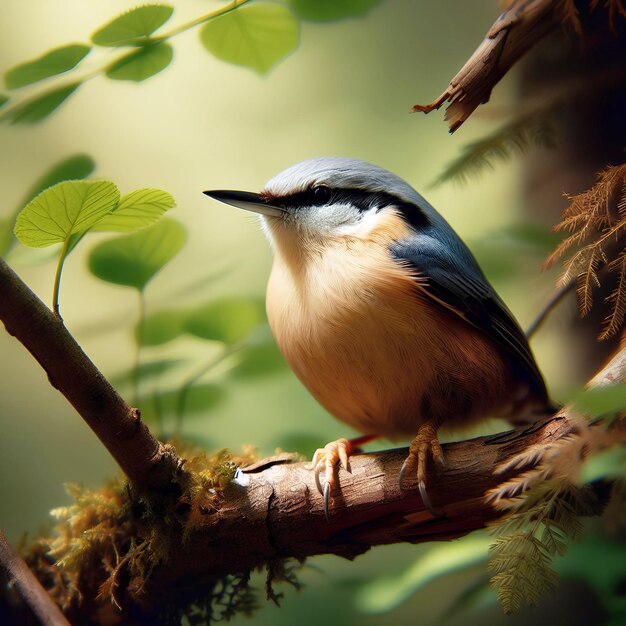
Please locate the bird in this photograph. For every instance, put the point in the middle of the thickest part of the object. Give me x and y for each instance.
(385, 316)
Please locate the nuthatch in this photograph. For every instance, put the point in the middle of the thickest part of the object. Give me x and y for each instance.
(384, 314)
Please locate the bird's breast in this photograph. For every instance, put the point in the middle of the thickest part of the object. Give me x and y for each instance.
(372, 348)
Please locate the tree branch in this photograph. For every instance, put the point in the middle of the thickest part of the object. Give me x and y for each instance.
(16, 574)
(513, 34)
(146, 461)
(268, 512)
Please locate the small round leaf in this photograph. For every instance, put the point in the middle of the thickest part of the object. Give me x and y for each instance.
(256, 36)
(143, 63)
(199, 400)
(76, 167)
(257, 361)
(228, 320)
(62, 210)
(37, 109)
(133, 260)
(161, 327)
(49, 64)
(137, 23)
(137, 209)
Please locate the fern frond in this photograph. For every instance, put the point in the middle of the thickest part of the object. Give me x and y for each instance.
(568, 14)
(617, 298)
(597, 220)
(615, 9)
(528, 538)
(513, 138)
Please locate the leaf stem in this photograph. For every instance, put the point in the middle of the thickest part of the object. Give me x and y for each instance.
(235, 4)
(57, 278)
(552, 303)
(140, 325)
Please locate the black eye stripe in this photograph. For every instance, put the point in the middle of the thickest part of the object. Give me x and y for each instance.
(361, 199)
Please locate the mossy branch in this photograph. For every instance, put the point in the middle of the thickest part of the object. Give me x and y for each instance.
(148, 551)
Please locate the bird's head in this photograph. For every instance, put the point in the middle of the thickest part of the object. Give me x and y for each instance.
(330, 199)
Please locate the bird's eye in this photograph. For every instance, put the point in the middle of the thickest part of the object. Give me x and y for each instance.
(320, 194)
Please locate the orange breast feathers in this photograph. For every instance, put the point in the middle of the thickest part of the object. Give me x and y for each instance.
(369, 344)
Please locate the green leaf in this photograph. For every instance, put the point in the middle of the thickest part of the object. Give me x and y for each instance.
(134, 25)
(303, 443)
(257, 361)
(199, 399)
(147, 371)
(599, 562)
(37, 109)
(49, 64)
(73, 168)
(133, 260)
(328, 10)
(601, 400)
(387, 592)
(3, 99)
(227, 320)
(137, 209)
(64, 209)
(76, 167)
(161, 327)
(256, 36)
(143, 63)
(609, 465)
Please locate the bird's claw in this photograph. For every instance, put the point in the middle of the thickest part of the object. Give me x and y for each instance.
(325, 460)
(327, 501)
(424, 447)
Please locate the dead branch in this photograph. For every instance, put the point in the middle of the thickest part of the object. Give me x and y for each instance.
(144, 459)
(513, 34)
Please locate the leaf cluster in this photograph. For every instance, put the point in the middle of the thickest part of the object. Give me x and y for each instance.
(596, 219)
(528, 538)
(67, 211)
(257, 36)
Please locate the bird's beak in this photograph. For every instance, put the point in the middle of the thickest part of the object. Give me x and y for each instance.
(246, 200)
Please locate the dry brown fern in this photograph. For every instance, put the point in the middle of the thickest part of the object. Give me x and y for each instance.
(597, 220)
(615, 8)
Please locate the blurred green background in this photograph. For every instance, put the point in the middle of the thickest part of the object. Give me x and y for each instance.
(201, 124)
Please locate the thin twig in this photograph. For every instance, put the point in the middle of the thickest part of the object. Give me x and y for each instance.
(16, 574)
(557, 295)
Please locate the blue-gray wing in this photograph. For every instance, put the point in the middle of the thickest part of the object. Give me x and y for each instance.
(452, 277)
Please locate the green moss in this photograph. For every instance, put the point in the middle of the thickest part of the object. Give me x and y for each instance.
(107, 545)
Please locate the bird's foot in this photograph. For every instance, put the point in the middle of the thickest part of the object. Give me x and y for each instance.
(425, 446)
(325, 461)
